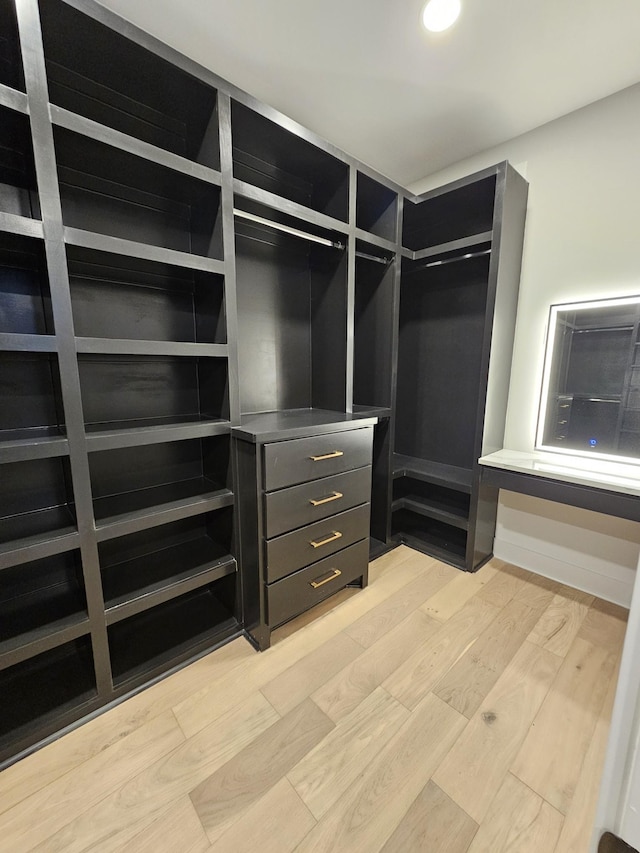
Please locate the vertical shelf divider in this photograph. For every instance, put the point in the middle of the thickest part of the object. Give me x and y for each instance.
(46, 174)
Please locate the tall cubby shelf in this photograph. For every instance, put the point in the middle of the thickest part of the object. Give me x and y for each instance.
(458, 303)
(191, 283)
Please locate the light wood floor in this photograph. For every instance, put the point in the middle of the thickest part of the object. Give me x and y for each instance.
(434, 711)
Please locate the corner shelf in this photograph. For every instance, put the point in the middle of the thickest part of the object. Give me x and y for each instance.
(432, 472)
(449, 215)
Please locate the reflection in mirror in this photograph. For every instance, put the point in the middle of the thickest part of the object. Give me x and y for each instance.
(590, 401)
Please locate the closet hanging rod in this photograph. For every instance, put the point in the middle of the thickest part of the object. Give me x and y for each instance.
(444, 261)
(376, 258)
(287, 229)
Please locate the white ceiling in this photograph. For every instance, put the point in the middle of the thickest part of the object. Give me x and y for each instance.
(366, 76)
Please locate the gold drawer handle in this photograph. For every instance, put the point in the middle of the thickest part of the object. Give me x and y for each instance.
(335, 535)
(333, 455)
(333, 497)
(336, 574)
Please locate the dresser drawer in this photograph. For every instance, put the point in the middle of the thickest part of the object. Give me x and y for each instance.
(303, 459)
(306, 587)
(292, 551)
(297, 506)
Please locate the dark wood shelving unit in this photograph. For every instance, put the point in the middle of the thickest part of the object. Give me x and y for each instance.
(460, 273)
(214, 279)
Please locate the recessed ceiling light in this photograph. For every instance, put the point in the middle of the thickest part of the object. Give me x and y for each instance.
(439, 15)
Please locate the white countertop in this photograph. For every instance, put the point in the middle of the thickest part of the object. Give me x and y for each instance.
(597, 473)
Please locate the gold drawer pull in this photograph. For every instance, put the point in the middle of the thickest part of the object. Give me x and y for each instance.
(332, 577)
(335, 535)
(333, 455)
(333, 497)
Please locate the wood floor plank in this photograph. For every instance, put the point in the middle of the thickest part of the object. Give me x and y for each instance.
(578, 824)
(293, 685)
(327, 772)
(367, 815)
(39, 816)
(383, 618)
(605, 625)
(344, 692)
(144, 799)
(276, 823)
(178, 828)
(476, 766)
(537, 591)
(63, 755)
(229, 792)
(434, 823)
(518, 822)
(209, 702)
(423, 669)
(551, 757)
(452, 597)
(503, 586)
(467, 683)
(559, 624)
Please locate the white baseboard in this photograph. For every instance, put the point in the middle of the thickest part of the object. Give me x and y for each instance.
(609, 588)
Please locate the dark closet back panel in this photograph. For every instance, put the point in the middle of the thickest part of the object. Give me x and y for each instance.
(376, 207)
(138, 93)
(40, 592)
(36, 485)
(17, 171)
(29, 394)
(136, 388)
(110, 191)
(114, 472)
(373, 359)
(274, 159)
(328, 328)
(25, 302)
(273, 325)
(117, 297)
(10, 59)
(441, 330)
(450, 216)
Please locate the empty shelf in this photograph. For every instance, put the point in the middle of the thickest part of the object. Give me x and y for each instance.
(432, 472)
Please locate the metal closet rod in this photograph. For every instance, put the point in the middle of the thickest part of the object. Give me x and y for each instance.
(376, 258)
(287, 229)
(444, 261)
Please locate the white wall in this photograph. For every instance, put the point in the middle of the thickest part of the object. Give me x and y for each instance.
(582, 241)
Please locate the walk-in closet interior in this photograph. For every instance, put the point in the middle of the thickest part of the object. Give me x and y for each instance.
(235, 363)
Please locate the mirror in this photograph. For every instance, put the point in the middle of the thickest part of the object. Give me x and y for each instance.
(590, 402)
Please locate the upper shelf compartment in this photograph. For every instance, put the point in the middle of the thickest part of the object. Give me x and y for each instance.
(10, 63)
(120, 298)
(139, 93)
(112, 192)
(18, 195)
(278, 161)
(376, 208)
(453, 216)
